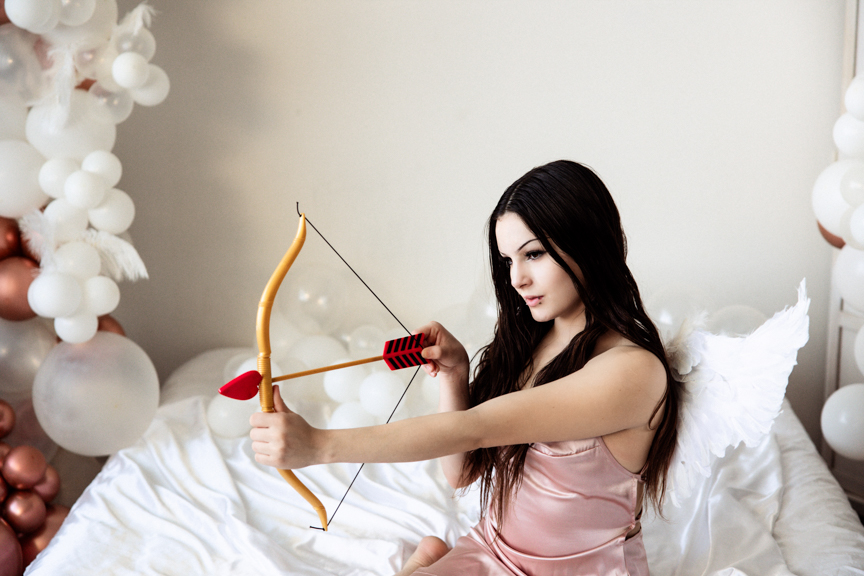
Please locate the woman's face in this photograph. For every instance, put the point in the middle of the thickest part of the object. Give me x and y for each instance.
(546, 288)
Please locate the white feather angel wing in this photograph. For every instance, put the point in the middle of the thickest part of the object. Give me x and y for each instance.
(732, 389)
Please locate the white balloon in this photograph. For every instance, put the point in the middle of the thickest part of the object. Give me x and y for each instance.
(229, 418)
(25, 346)
(53, 175)
(379, 393)
(252, 364)
(854, 98)
(30, 14)
(141, 41)
(84, 190)
(76, 12)
(283, 335)
(843, 421)
(78, 259)
(83, 132)
(97, 397)
(344, 385)
(93, 59)
(670, 306)
(53, 19)
(852, 184)
(115, 214)
(114, 105)
(101, 295)
(21, 74)
(735, 320)
(827, 199)
(105, 164)
(154, 90)
(76, 329)
(13, 117)
(20, 192)
(68, 221)
(849, 135)
(350, 415)
(318, 350)
(97, 28)
(859, 350)
(130, 70)
(849, 276)
(365, 341)
(53, 294)
(856, 224)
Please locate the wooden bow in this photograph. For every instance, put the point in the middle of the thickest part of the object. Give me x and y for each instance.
(265, 388)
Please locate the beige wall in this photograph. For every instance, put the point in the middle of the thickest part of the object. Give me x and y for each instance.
(397, 123)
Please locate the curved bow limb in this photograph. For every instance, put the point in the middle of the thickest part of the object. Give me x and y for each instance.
(265, 389)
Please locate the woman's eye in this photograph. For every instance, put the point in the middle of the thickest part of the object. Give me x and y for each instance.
(506, 262)
(534, 254)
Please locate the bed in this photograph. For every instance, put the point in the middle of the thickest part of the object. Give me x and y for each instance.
(185, 501)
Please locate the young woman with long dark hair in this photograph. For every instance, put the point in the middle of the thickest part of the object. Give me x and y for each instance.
(571, 417)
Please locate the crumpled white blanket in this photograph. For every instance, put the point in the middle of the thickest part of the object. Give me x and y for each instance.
(183, 501)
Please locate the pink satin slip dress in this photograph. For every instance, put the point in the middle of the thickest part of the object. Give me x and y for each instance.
(571, 516)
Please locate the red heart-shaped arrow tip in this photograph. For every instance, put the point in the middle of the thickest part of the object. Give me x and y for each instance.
(243, 387)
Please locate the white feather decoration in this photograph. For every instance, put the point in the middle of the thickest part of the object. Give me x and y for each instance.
(38, 234)
(733, 388)
(120, 260)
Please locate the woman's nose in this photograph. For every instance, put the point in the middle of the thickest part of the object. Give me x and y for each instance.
(518, 278)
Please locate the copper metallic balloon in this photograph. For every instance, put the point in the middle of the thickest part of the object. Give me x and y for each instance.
(4, 490)
(16, 275)
(4, 450)
(10, 238)
(7, 419)
(832, 239)
(24, 467)
(32, 544)
(109, 324)
(11, 555)
(24, 511)
(49, 486)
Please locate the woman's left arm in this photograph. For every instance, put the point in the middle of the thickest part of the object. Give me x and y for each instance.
(617, 390)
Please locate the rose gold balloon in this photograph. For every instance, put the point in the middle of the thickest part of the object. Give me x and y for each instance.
(16, 275)
(24, 467)
(11, 555)
(10, 238)
(34, 543)
(832, 239)
(4, 490)
(109, 324)
(49, 486)
(4, 450)
(7, 419)
(24, 511)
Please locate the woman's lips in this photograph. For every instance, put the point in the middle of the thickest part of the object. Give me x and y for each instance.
(532, 301)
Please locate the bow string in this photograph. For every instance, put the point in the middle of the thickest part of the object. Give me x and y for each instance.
(263, 333)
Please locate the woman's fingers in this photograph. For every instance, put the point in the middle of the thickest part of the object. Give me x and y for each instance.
(278, 403)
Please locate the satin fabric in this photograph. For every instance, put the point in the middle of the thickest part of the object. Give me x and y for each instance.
(570, 517)
(183, 501)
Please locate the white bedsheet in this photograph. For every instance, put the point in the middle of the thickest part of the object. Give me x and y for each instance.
(183, 501)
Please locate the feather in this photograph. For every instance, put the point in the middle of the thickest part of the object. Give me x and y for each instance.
(733, 388)
(120, 260)
(38, 234)
(137, 18)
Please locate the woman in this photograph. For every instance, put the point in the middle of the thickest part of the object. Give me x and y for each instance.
(572, 414)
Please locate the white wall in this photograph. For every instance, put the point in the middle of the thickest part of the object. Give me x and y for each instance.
(397, 124)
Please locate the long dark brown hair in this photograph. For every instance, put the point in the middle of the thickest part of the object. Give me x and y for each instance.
(565, 204)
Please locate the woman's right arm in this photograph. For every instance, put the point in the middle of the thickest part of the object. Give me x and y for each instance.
(450, 364)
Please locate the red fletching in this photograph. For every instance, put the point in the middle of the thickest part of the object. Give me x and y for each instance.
(243, 387)
(404, 352)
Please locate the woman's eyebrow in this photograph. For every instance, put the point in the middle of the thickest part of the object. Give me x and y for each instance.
(502, 255)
